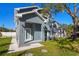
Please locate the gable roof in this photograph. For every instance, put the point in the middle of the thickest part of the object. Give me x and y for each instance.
(33, 10)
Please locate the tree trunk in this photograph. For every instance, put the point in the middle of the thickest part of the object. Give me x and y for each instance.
(0, 34)
(75, 22)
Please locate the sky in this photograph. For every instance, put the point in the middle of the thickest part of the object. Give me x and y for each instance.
(7, 14)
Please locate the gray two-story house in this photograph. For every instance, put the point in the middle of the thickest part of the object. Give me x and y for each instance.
(31, 25)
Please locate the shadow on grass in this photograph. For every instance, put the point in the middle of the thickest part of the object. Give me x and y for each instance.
(3, 52)
(22, 53)
(5, 44)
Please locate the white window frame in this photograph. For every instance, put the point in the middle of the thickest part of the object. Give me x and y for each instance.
(26, 40)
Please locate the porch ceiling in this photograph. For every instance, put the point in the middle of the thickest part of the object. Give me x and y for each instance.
(34, 19)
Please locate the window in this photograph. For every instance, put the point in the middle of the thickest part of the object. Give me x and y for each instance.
(38, 27)
(28, 34)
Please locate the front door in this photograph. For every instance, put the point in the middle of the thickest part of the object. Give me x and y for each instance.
(28, 36)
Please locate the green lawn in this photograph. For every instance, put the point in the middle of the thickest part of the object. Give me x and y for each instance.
(54, 48)
(4, 45)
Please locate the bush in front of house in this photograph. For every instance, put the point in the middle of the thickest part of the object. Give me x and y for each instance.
(63, 41)
(66, 43)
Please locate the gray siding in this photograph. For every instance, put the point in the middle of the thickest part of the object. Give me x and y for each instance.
(36, 31)
(21, 34)
(35, 20)
(42, 30)
(32, 18)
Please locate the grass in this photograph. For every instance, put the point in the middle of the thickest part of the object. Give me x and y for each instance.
(4, 45)
(59, 47)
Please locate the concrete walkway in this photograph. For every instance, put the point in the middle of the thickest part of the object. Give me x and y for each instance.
(14, 46)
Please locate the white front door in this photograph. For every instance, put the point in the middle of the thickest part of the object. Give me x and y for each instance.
(28, 36)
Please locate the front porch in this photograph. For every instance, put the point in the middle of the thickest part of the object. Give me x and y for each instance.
(33, 32)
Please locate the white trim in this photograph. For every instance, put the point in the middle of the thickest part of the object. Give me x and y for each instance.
(26, 40)
(26, 7)
(33, 11)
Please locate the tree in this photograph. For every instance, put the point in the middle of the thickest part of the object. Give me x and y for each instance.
(55, 8)
(69, 30)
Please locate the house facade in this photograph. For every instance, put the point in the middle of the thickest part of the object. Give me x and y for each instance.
(31, 26)
(57, 30)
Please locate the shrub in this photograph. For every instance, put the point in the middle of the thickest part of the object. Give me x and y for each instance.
(63, 42)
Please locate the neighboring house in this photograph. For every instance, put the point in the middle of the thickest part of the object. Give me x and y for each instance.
(57, 31)
(32, 26)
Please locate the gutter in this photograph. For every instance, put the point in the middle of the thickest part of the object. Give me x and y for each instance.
(25, 7)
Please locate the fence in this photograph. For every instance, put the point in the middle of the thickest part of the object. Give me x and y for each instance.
(9, 34)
